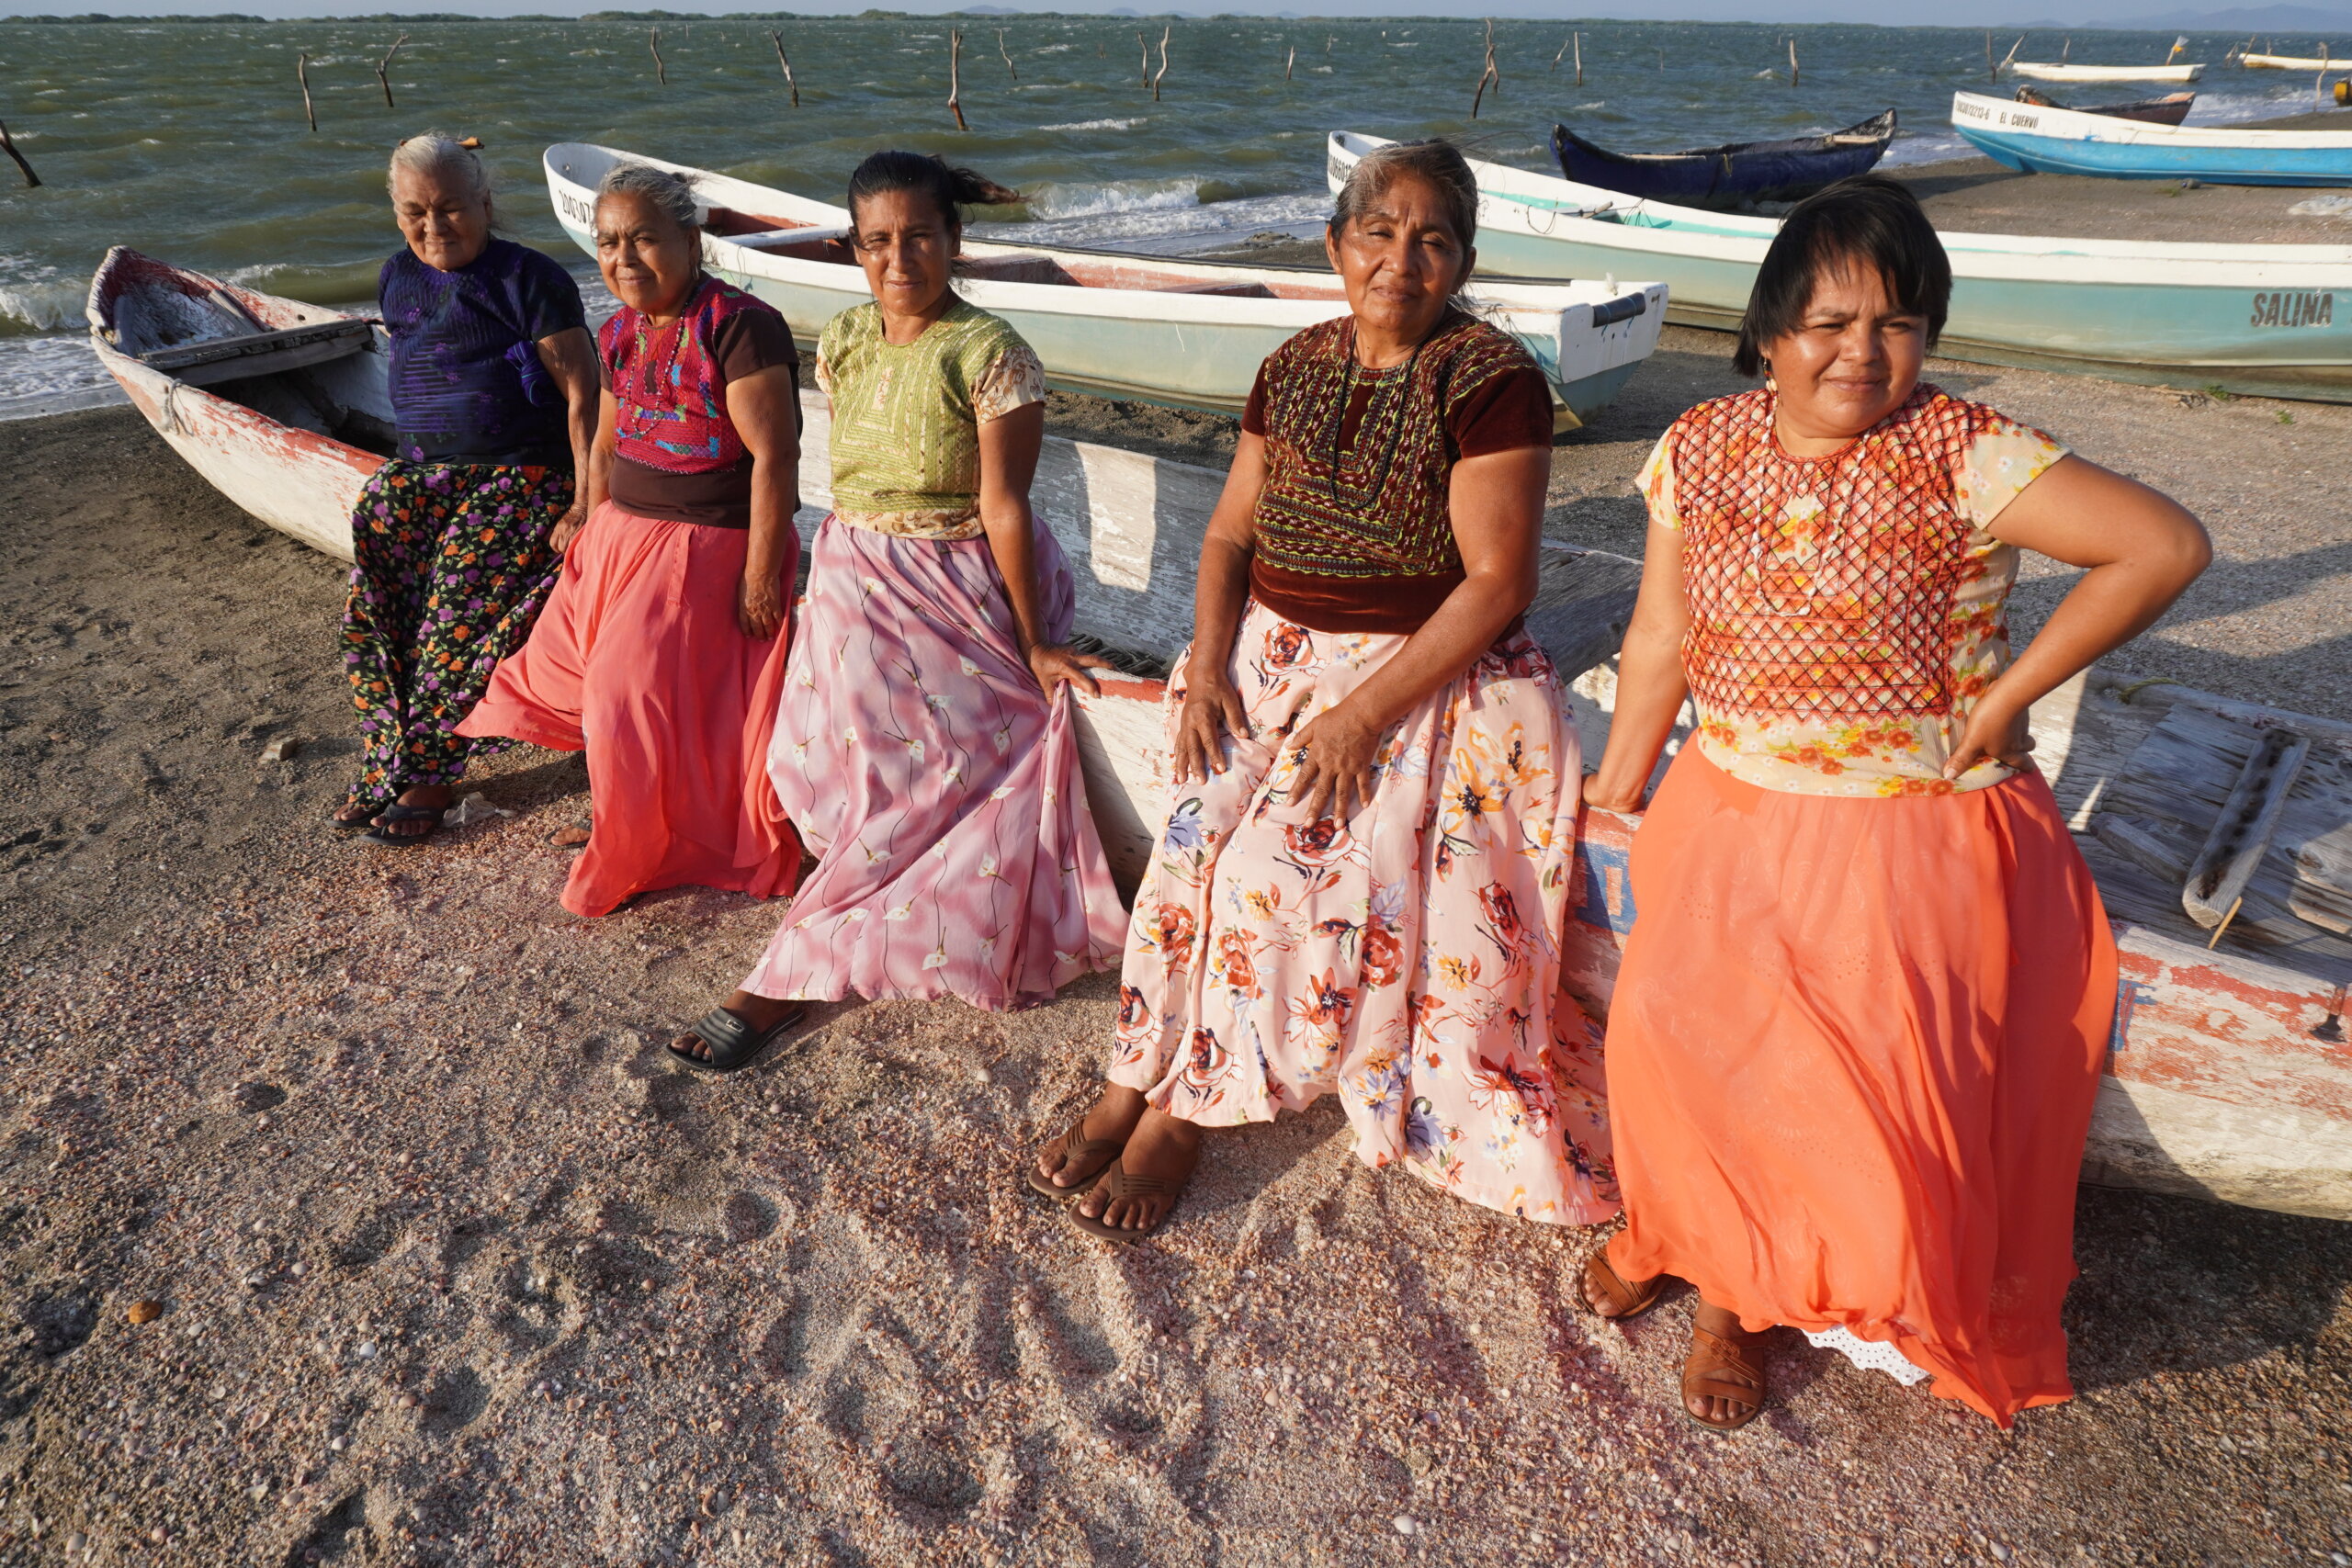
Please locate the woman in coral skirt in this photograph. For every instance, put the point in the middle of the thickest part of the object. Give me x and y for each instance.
(670, 611)
(1861, 1019)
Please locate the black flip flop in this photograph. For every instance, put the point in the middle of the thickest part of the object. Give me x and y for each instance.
(353, 824)
(429, 815)
(734, 1044)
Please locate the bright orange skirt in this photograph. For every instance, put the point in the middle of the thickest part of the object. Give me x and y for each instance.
(1852, 1059)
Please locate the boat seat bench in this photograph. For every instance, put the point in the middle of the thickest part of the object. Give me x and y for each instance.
(260, 353)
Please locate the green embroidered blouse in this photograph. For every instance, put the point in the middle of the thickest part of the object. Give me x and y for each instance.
(907, 417)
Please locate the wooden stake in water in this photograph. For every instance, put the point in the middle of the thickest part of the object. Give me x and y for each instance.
(1578, 40)
(1487, 74)
(954, 57)
(1163, 62)
(302, 74)
(386, 64)
(1143, 70)
(1008, 57)
(1792, 63)
(1992, 72)
(1288, 61)
(654, 43)
(9, 147)
(781, 59)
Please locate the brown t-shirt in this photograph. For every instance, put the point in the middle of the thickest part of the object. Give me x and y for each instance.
(1509, 410)
(742, 345)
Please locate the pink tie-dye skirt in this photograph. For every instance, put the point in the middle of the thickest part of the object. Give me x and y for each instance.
(940, 787)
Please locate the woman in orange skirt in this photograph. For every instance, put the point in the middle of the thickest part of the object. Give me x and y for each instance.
(661, 650)
(1860, 1019)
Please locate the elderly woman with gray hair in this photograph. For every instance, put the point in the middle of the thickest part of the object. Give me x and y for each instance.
(494, 391)
(661, 650)
(1363, 875)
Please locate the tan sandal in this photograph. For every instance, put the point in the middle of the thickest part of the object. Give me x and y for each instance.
(1718, 1369)
(1625, 1300)
(1074, 1146)
(1117, 1183)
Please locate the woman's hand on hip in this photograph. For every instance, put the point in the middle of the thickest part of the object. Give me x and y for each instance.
(1334, 751)
(759, 606)
(1995, 736)
(567, 528)
(1055, 665)
(1213, 712)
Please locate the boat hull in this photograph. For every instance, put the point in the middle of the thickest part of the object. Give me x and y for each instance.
(1196, 345)
(1726, 176)
(2042, 139)
(2034, 71)
(2256, 320)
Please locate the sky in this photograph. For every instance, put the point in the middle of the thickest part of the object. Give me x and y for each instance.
(1893, 12)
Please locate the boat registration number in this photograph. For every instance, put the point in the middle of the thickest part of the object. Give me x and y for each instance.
(2294, 308)
(579, 211)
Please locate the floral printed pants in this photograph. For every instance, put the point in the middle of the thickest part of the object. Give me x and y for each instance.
(451, 565)
(1405, 959)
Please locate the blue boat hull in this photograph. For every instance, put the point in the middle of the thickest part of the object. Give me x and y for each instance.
(2142, 161)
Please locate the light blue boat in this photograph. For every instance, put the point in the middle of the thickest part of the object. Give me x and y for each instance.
(2044, 140)
(2251, 319)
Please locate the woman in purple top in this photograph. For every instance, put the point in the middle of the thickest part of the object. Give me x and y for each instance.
(456, 540)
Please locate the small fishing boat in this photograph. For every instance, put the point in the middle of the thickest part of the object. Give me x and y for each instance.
(2252, 319)
(2170, 110)
(2296, 61)
(1187, 333)
(281, 405)
(2055, 71)
(2067, 141)
(1735, 172)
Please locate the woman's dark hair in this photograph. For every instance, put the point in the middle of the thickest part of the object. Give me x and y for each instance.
(1868, 220)
(950, 189)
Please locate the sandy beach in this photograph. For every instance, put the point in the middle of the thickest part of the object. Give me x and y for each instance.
(452, 1270)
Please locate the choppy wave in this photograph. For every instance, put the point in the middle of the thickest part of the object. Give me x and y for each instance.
(1097, 125)
(1057, 199)
(36, 298)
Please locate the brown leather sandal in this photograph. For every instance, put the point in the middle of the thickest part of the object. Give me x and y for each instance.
(1074, 1146)
(1117, 1183)
(1625, 1300)
(1703, 1377)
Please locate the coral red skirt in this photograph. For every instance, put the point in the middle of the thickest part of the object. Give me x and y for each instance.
(638, 660)
(1851, 1060)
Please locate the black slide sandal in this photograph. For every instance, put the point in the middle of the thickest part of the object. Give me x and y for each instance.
(429, 815)
(734, 1044)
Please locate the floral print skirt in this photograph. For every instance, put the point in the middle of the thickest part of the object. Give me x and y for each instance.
(1405, 959)
(450, 567)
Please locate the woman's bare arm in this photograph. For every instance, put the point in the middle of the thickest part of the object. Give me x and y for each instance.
(570, 356)
(595, 482)
(2141, 550)
(1650, 684)
(1009, 447)
(766, 413)
(1497, 502)
(1213, 708)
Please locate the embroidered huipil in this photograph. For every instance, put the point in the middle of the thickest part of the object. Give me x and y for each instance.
(1354, 527)
(906, 440)
(1847, 612)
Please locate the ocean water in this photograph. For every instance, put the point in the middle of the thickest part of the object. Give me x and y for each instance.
(189, 141)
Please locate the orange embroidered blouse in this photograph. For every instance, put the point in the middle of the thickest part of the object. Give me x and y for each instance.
(1846, 611)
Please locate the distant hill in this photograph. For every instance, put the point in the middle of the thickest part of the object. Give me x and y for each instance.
(2248, 20)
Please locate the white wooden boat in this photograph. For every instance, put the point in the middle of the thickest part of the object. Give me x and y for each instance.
(2252, 318)
(2296, 61)
(2231, 1076)
(2058, 71)
(1189, 333)
(2072, 141)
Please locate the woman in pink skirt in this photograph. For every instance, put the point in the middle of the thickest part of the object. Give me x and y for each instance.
(670, 611)
(924, 747)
